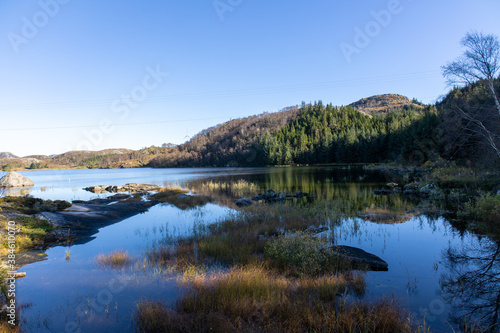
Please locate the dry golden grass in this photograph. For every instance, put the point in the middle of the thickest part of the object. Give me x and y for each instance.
(254, 299)
(8, 328)
(117, 259)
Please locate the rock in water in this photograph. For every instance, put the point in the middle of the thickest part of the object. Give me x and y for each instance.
(359, 258)
(243, 202)
(15, 179)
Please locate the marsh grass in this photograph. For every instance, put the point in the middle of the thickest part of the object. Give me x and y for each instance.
(286, 281)
(302, 253)
(173, 196)
(115, 260)
(239, 189)
(255, 299)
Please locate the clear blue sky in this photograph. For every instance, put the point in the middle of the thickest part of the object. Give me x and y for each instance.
(67, 67)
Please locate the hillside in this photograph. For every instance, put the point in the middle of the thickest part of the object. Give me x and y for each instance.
(382, 104)
(375, 129)
(7, 155)
(229, 144)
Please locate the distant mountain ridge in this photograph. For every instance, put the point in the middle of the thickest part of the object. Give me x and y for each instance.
(381, 104)
(8, 155)
(237, 142)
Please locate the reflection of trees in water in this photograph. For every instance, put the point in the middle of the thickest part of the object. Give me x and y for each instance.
(472, 284)
(351, 188)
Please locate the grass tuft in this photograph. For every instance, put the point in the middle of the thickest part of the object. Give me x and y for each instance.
(117, 259)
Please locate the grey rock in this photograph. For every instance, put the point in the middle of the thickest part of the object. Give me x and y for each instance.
(243, 202)
(15, 179)
(59, 236)
(182, 196)
(426, 189)
(359, 258)
(316, 230)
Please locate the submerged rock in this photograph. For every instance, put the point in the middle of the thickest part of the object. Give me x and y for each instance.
(15, 179)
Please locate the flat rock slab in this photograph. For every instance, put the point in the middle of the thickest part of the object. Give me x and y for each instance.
(85, 218)
(361, 259)
(130, 187)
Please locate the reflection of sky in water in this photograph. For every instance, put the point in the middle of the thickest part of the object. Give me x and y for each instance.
(56, 287)
(414, 252)
(69, 184)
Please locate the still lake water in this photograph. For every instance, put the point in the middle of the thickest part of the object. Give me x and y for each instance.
(431, 271)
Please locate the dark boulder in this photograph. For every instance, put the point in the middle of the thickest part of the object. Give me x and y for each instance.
(359, 258)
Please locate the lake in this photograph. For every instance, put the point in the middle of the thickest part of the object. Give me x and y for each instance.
(437, 271)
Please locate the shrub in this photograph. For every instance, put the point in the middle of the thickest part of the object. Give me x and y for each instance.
(301, 254)
(486, 207)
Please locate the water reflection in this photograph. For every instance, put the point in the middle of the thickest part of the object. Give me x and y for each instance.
(466, 275)
(472, 283)
(352, 187)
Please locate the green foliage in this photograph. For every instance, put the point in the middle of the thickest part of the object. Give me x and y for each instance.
(485, 207)
(8, 167)
(36, 226)
(300, 254)
(31, 205)
(38, 165)
(325, 134)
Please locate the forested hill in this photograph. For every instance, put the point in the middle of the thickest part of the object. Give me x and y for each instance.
(228, 144)
(388, 128)
(310, 134)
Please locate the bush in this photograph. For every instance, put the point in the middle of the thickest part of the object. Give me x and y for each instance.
(301, 254)
(486, 207)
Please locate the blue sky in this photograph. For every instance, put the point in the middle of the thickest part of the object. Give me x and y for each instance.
(127, 74)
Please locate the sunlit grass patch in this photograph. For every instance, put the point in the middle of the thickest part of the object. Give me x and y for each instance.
(117, 259)
(29, 232)
(302, 253)
(255, 299)
(240, 188)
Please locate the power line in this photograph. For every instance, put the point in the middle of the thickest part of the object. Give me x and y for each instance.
(230, 93)
(119, 124)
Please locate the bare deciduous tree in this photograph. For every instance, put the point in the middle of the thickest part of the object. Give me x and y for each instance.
(480, 62)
